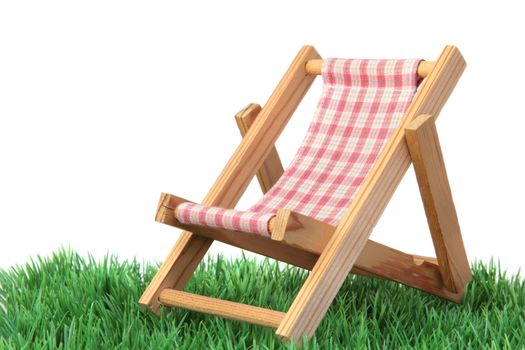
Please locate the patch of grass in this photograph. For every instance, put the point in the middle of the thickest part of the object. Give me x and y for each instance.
(68, 302)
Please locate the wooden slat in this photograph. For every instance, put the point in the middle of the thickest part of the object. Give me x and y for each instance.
(376, 260)
(314, 67)
(240, 169)
(425, 151)
(272, 168)
(223, 308)
(355, 227)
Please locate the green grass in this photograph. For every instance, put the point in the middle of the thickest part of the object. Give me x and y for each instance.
(66, 301)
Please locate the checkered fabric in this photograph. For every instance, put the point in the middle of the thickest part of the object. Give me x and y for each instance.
(361, 105)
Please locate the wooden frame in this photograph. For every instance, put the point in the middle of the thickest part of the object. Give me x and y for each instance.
(330, 252)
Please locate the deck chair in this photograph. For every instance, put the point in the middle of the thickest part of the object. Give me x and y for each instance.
(374, 119)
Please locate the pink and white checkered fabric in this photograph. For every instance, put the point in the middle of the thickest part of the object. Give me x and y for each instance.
(361, 105)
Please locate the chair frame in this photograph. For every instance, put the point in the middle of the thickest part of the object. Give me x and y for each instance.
(330, 252)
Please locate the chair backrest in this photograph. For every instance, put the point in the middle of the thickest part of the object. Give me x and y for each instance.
(361, 105)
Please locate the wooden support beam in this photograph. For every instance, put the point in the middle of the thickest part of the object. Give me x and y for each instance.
(222, 308)
(314, 67)
(254, 148)
(425, 151)
(376, 260)
(272, 168)
(351, 235)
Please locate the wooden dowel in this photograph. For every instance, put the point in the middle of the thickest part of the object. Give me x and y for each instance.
(313, 67)
(223, 308)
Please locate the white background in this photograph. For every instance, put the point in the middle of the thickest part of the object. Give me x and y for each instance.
(105, 104)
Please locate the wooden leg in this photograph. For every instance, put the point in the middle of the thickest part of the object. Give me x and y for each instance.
(355, 227)
(236, 175)
(425, 151)
(177, 269)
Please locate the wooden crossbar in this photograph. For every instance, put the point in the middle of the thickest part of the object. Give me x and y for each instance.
(313, 67)
(223, 308)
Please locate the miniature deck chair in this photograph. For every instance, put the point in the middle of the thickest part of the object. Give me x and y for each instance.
(374, 118)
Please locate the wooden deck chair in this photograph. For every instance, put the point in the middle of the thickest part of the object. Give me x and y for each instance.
(374, 119)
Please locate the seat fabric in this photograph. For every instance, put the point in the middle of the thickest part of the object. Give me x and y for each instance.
(362, 104)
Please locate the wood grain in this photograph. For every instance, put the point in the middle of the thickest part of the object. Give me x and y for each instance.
(300, 231)
(355, 227)
(425, 151)
(223, 308)
(272, 169)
